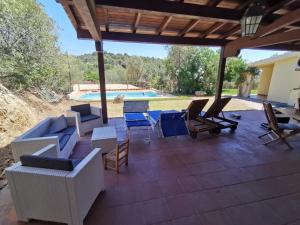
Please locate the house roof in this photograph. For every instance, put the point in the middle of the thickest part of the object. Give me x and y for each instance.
(271, 60)
(189, 22)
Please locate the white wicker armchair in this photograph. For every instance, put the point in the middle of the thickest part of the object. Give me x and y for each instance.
(56, 195)
(85, 126)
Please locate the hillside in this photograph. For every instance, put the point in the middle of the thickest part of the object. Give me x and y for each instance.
(118, 67)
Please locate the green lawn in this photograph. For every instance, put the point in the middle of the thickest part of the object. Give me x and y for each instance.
(177, 103)
(235, 91)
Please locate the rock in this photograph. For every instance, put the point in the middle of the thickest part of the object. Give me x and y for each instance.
(200, 93)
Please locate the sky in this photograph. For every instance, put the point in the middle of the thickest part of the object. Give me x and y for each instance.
(68, 41)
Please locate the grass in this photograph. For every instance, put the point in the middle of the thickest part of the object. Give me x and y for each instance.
(234, 91)
(116, 110)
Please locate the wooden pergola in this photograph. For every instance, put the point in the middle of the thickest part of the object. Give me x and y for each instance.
(185, 22)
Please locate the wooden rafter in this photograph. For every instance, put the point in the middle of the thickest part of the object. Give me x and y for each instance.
(106, 23)
(136, 22)
(189, 27)
(218, 25)
(278, 5)
(280, 23)
(232, 48)
(70, 14)
(213, 3)
(164, 24)
(176, 8)
(232, 31)
(86, 9)
(212, 29)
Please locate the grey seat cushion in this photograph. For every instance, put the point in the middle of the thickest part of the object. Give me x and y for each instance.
(48, 163)
(84, 109)
(89, 117)
(58, 124)
(69, 130)
(63, 136)
(63, 141)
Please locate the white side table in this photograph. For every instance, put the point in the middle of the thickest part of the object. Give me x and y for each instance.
(104, 138)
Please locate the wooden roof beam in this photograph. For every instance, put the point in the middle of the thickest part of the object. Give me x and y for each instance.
(189, 27)
(233, 47)
(176, 8)
(136, 22)
(164, 24)
(156, 39)
(86, 9)
(280, 23)
(282, 47)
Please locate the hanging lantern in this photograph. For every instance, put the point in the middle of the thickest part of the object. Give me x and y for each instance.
(252, 17)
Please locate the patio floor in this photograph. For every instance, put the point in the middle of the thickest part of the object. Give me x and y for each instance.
(229, 179)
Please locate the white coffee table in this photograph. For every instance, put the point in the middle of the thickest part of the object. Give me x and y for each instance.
(104, 138)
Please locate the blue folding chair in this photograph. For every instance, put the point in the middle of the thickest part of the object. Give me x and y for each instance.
(134, 120)
(172, 124)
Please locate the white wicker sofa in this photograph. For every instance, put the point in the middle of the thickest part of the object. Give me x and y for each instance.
(38, 137)
(56, 195)
(87, 117)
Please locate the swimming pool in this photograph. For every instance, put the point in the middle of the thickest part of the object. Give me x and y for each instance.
(127, 95)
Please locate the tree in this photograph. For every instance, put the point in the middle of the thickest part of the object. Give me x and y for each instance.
(190, 69)
(90, 75)
(29, 55)
(234, 67)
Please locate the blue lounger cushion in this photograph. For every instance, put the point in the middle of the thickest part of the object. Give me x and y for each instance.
(134, 117)
(140, 123)
(173, 124)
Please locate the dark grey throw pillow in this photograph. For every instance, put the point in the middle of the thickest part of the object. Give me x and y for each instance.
(58, 124)
(84, 109)
(48, 162)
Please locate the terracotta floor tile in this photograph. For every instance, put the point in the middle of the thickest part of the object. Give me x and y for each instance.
(287, 207)
(130, 214)
(219, 217)
(192, 220)
(150, 190)
(189, 183)
(156, 211)
(224, 197)
(203, 202)
(255, 213)
(181, 205)
(170, 187)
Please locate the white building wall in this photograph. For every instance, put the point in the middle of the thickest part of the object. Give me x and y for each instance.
(284, 79)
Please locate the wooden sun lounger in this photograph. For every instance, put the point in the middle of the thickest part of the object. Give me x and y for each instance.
(211, 120)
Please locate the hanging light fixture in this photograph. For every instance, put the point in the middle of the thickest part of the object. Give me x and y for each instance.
(252, 17)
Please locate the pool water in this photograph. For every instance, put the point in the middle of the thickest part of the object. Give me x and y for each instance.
(127, 95)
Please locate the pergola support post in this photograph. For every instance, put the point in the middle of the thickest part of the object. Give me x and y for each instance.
(99, 50)
(221, 73)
